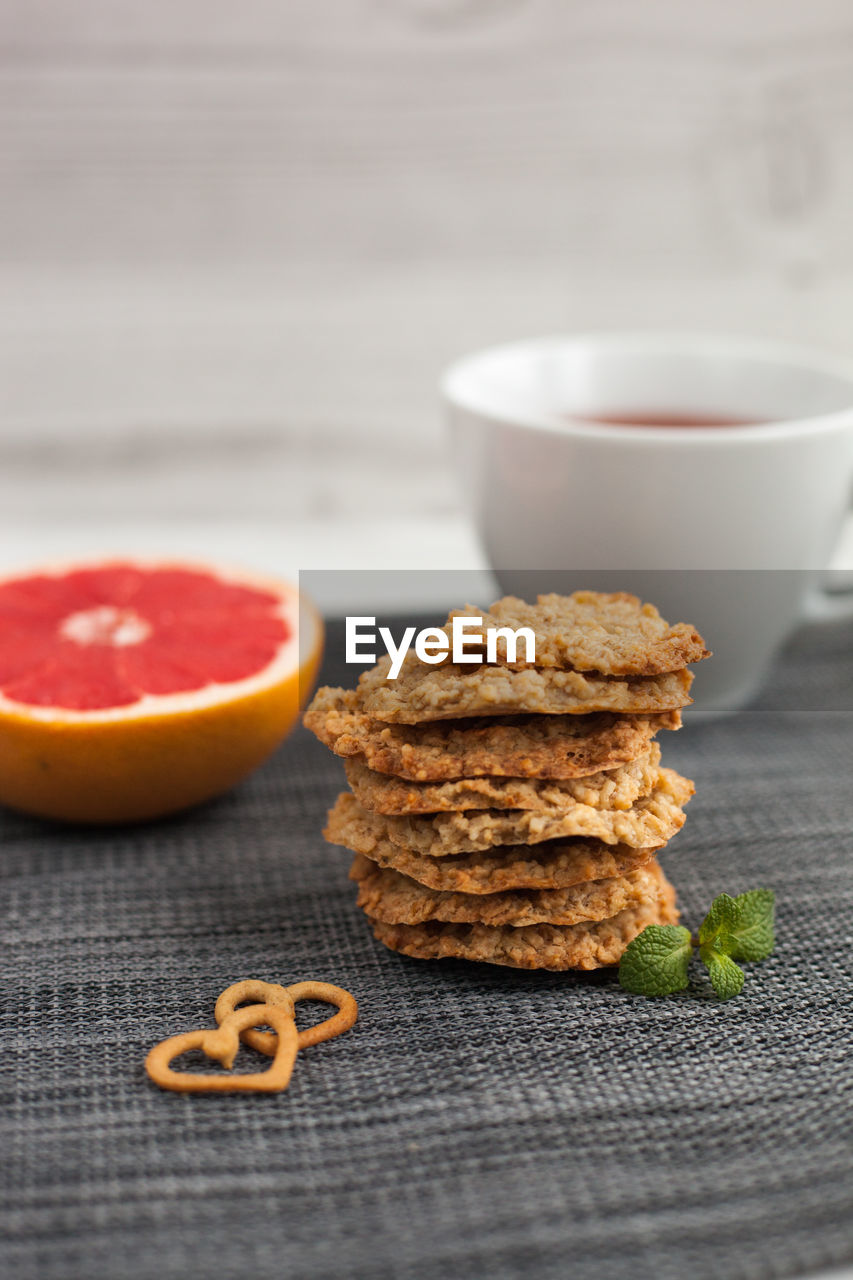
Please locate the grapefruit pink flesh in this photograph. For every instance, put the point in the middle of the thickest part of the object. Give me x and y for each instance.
(107, 636)
(129, 691)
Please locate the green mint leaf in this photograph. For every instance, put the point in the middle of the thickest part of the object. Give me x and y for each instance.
(752, 935)
(726, 976)
(718, 921)
(740, 927)
(655, 962)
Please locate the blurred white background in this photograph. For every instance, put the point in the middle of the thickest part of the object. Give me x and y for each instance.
(238, 242)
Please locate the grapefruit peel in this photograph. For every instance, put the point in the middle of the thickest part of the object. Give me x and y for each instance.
(125, 627)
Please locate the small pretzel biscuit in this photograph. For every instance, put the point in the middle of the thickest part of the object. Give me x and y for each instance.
(272, 993)
(334, 1026)
(254, 989)
(222, 1044)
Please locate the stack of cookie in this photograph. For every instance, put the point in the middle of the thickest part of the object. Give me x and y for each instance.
(512, 812)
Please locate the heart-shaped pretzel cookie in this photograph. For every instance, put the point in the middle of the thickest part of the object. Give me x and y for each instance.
(272, 994)
(222, 1043)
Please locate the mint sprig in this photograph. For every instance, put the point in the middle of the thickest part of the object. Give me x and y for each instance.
(726, 977)
(656, 962)
(742, 927)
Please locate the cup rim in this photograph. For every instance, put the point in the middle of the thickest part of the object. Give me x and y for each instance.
(455, 385)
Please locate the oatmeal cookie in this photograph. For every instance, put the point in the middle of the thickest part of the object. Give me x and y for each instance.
(446, 692)
(615, 789)
(614, 634)
(395, 899)
(590, 945)
(553, 864)
(526, 746)
(653, 820)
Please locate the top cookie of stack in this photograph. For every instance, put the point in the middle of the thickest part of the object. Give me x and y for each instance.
(510, 811)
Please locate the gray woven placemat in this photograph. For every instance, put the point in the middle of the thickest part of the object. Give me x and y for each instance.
(477, 1122)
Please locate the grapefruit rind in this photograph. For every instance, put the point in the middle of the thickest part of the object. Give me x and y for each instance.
(162, 753)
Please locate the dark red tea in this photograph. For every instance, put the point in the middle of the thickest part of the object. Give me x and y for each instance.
(645, 418)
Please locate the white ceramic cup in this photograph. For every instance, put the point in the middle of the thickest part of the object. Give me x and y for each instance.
(728, 527)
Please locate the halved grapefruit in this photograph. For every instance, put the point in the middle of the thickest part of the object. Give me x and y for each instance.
(129, 690)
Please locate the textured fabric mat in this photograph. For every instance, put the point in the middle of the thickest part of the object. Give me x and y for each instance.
(477, 1122)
